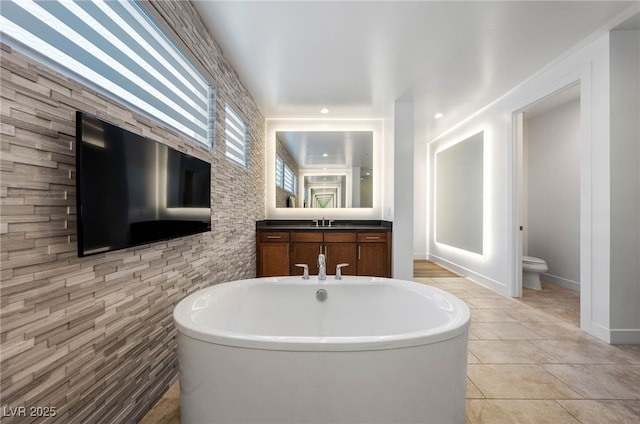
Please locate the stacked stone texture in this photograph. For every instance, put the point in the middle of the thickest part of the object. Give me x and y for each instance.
(93, 337)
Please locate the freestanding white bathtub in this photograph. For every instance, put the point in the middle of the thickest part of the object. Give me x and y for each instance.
(270, 350)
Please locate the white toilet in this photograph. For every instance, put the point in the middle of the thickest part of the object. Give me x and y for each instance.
(531, 270)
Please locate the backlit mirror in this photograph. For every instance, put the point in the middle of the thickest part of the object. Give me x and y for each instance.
(324, 169)
(459, 194)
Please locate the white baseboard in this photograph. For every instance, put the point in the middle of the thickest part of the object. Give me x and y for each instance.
(471, 275)
(615, 336)
(611, 336)
(624, 336)
(563, 282)
(597, 330)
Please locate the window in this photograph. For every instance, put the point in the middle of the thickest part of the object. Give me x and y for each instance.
(235, 136)
(116, 48)
(288, 179)
(279, 172)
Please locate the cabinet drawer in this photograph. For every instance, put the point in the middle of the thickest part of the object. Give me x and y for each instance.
(307, 237)
(372, 237)
(331, 237)
(267, 236)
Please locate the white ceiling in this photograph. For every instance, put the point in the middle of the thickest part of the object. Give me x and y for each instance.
(320, 150)
(357, 58)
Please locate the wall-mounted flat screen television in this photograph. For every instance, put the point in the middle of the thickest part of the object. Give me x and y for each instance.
(132, 190)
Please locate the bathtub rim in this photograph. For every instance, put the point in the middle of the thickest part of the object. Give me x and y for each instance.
(457, 327)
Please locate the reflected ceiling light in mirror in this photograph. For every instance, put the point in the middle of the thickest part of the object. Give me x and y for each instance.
(324, 111)
(438, 115)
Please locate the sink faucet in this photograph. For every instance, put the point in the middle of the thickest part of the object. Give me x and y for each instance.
(322, 267)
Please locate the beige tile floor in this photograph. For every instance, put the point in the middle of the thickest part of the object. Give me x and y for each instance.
(528, 362)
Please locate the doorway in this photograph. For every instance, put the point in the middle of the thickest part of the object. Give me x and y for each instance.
(548, 168)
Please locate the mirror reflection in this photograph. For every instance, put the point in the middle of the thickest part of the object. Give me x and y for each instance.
(324, 169)
(460, 195)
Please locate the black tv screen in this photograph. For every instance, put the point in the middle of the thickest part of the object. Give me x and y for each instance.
(132, 190)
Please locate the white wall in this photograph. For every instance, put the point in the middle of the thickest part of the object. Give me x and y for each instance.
(403, 191)
(388, 180)
(420, 201)
(552, 192)
(625, 186)
(498, 266)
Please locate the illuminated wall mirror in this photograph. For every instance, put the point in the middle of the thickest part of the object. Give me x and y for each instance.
(324, 169)
(459, 194)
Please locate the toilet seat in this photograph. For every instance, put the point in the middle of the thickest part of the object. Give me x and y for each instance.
(532, 260)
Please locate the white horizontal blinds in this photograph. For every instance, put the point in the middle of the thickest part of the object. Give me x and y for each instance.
(288, 179)
(279, 172)
(235, 136)
(116, 47)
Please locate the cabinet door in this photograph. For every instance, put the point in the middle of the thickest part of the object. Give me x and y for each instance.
(372, 259)
(374, 254)
(305, 253)
(341, 253)
(273, 259)
(305, 248)
(340, 248)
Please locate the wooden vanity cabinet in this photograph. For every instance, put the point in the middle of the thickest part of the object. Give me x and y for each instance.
(374, 254)
(305, 248)
(340, 248)
(272, 254)
(367, 253)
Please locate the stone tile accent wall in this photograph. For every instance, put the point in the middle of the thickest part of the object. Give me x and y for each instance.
(93, 337)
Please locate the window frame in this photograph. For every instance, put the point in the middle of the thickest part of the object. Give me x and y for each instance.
(129, 30)
(289, 187)
(279, 172)
(236, 137)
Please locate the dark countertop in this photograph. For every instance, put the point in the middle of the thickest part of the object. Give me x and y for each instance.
(309, 225)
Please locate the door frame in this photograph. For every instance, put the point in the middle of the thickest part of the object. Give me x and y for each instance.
(517, 191)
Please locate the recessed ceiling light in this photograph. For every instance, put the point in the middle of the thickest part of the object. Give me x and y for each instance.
(324, 155)
(438, 115)
(324, 110)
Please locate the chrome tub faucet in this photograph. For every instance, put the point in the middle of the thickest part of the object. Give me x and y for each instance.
(322, 267)
(305, 273)
(339, 271)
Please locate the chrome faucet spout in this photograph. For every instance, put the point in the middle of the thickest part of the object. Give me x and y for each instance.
(339, 272)
(322, 267)
(305, 271)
